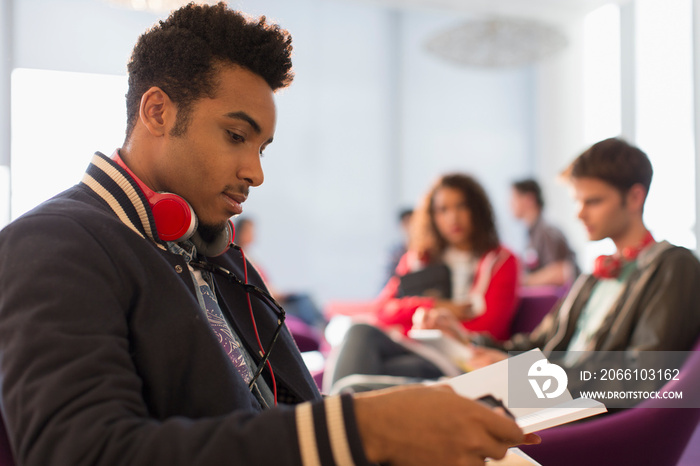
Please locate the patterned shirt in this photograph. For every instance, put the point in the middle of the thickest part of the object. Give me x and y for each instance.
(227, 337)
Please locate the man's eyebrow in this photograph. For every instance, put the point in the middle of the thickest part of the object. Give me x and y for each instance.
(245, 117)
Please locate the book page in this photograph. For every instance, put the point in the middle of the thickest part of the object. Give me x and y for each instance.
(561, 414)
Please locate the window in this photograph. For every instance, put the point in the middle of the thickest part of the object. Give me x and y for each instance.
(665, 116)
(59, 120)
(663, 107)
(602, 92)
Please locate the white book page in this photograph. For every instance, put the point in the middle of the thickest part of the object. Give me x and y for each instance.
(566, 412)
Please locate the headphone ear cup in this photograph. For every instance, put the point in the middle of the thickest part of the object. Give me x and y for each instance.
(174, 216)
(175, 219)
(220, 245)
(607, 267)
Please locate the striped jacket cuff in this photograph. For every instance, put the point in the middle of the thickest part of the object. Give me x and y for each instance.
(327, 433)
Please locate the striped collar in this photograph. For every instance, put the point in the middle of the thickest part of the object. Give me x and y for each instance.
(121, 193)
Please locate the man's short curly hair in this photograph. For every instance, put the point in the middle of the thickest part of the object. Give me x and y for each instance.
(180, 55)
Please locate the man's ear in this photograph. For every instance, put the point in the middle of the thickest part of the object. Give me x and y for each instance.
(636, 196)
(157, 112)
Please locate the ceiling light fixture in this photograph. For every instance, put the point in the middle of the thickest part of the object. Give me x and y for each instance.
(498, 42)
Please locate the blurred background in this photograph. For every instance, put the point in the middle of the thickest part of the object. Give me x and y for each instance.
(387, 96)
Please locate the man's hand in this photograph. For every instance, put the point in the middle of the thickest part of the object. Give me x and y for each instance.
(419, 425)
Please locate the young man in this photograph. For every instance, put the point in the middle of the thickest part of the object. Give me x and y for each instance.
(645, 297)
(548, 259)
(129, 334)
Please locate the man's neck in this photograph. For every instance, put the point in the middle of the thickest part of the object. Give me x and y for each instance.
(137, 155)
(632, 238)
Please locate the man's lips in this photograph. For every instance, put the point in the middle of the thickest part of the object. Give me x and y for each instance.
(234, 200)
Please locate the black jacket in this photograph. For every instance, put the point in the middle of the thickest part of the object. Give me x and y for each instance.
(106, 357)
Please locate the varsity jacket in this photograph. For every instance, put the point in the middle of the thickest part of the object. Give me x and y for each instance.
(493, 295)
(106, 357)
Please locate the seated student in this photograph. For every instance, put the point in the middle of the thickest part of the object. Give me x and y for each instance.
(455, 225)
(644, 297)
(548, 259)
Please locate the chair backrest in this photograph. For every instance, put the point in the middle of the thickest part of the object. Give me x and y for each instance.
(306, 337)
(535, 303)
(651, 433)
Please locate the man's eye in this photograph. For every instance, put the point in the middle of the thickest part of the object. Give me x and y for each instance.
(235, 136)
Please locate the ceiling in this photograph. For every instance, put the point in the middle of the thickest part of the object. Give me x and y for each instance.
(547, 10)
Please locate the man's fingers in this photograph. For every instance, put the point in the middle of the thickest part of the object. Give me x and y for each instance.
(532, 439)
(503, 428)
(492, 448)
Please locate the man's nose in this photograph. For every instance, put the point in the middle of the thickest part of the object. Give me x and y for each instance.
(251, 170)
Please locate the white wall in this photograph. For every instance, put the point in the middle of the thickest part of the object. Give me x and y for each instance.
(559, 131)
(325, 215)
(459, 118)
(368, 122)
(89, 36)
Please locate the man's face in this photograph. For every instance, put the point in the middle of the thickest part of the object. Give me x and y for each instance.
(601, 208)
(217, 158)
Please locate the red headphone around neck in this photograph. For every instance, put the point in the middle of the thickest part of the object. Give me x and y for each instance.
(175, 218)
(611, 266)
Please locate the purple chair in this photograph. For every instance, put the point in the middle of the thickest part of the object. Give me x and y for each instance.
(6, 458)
(691, 454)
(652, 433)
(306, 337)
(535, 303)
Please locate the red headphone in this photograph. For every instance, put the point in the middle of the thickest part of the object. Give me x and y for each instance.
(611, 266)
(175, 218)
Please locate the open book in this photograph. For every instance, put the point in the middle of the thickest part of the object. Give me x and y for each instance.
(531, 416)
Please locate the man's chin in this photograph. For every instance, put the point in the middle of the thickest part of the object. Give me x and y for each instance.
(210, 232)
